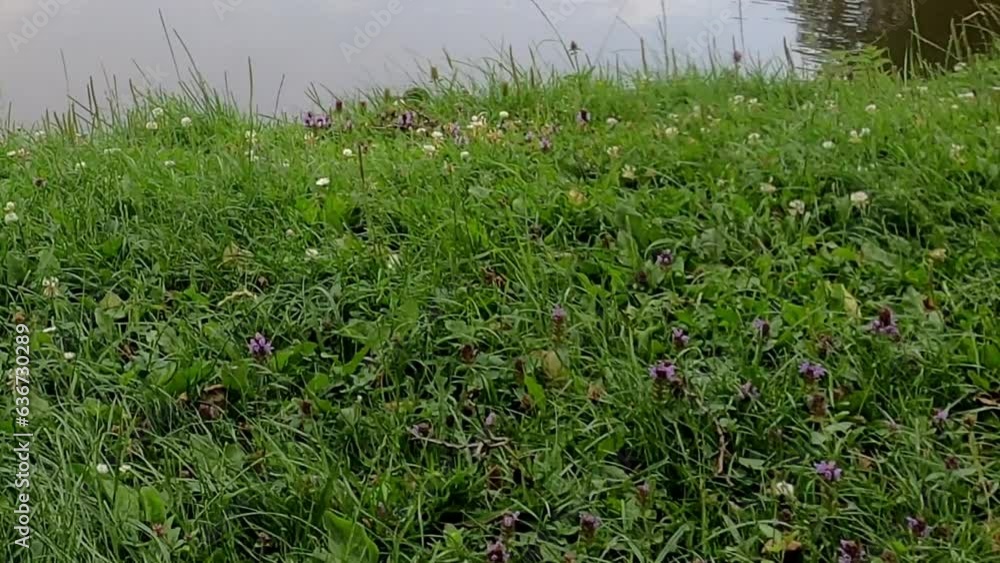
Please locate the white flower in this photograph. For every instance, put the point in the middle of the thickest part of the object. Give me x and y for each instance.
(152, 125)
(250, 136)
(859, 199)
(611, 121)
(753, 101)
(11, 206)
(504, 115)
(628, 172)
(797, 207)
(429, 149)
(348, 153)
(157, 112)
(289, 233)
(855, 137)
(938, 254)
(285, 163)
(50, 287)
(69, 356)
(80, 165)
(768, 188)
(169, 163)
(464, 155)
(783, 489)
(186, 122)
(125, 468)
(865, 131)
(806, 106)
(393, 261)
(437, 135)
(614, 151)
(736, 100)
(753, 138)
(421, 131)
(312, 253)
(871, 108)
(112, 150)
(40, 134)
(49, 329)
(103, 469)
(673, 117)
(959, 67)
(967, 95)
(922, 89)
(831, 104)
(323, 182)
(956, 151)
(829, 145)
(251, 155)
(9, 215)
(671, 132)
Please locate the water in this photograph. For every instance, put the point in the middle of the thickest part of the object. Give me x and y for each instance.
(352, 45)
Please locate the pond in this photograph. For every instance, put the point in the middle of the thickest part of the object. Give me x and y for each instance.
(51, 48)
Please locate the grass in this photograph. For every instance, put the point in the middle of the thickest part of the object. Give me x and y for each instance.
(423, 381)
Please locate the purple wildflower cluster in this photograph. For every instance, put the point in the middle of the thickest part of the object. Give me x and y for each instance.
(918, 526)
(940, 417)
(406, 120)
(497, 552)
(509, 521)
(829, 471)
(680, 338)
(260, 347)
(545, 144)
(812, 372)
(558, 315)
(851, 552)
(316, 121)
(885, 324)
(762, 327)
(665, 259)
(664, 372)
(589, 524)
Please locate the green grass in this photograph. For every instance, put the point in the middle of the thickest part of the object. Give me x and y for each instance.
(418, 289)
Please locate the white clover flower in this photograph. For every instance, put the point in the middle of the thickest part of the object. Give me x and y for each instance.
(806, 106)
(767, 188)
(671, 132)
(831, 104)
(69, 356)
(871, 108)
(285, 163)
(859, 199)
(865, 131)
(753, 138)
(784, 489)
(251, 136)
(753, 102)
(736, 100)
(124, 468)
(348, 153)
(169, 163)
(80, 165)
(628, 172)
(956, 151)
(429, 149)
(611, 121)
(323, 182)
(504, 115)
(464, 155)
(312, 253)
(421, 131)
(614, 151)
(797, 207)
(50, 287)
(855, 137)
(186, 122)
(112, 150)
(157, 112)
(437, 135)
(10, 216)
(938, 254)
(289, 233)
(967, 95)
(10, 206)
(103, 469)
(959, 67)
(38, 135)
(829, 145)
(152, 125)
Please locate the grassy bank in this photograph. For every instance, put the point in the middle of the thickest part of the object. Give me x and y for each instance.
(706, 318)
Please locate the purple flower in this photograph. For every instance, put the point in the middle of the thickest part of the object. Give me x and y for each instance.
(558, 315)
(259, 346)
(664, 258)
(812, 372)
(885, 324)
(583, 117)
(545, 144)
(529, 136)
(316, 120)
(491, 420)
(851, 552)
(497, 552)
(589, 524)
(509, 521)
(829, 471)
(749, 391)
(940, 416)
(681, 339)
(762, 327)
(918, 526)
(664, 371)
(406, 120)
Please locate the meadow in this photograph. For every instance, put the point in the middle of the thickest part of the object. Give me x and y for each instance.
(721, 316)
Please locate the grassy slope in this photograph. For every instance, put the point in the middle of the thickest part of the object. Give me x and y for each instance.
(430, 301)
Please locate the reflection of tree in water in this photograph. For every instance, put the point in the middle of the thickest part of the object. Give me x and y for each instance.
(847, 24)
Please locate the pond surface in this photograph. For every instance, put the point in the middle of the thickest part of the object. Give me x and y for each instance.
(350, 45)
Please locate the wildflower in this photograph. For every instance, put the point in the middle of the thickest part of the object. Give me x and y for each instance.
(497, 553)
(855, 137)
(69, 356)
(664, 258)
(670, 132)
(260, 347)
(749, 391)
(323, 182)
(807, 106)
(956, 151)
(80, 165)
(831, 105)
(429, 149)
(509, 521)
(589, 524)
(406, 120)
(753, 138)
(871, 108)
(918, 526)
(796, 207)
(50, 287)
(186, 122)
(628, 172)
(437, 135)
(643, 490)
(664, 371)
(10, 216)
(103, 469)
(922, 89)
(611, 121)
(124, 468)
(967, 95)
(829, 471)
(938, 254)
(157, 112)
(762, 327)
(753, 102)
(491, 420)
(959, 67)
(312, 254)
(464, 155)
(614, 151)
(316, 121)
(885, 324)
(348, 153)
(421, 430)
(828, 145)
(783, 489)
(767, 188)
(558, 315)
(859, 199)
(545, 144)
(152, 125)
(504, 115)
(583, 117)
(39, 135)
(289, 233)
(169, 163)
(812, 372)
(680, 338)
(736, 100)
(940, 417)
(851, 552)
